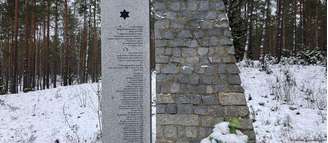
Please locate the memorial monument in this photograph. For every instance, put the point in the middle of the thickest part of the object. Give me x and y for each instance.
(125, 102)
(198, 83)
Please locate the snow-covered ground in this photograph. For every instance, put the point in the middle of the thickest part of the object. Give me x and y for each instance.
(289, 105)
(61, 115)
(289, 102)
(221, 133)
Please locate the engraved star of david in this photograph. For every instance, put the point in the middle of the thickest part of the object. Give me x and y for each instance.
(124, 14)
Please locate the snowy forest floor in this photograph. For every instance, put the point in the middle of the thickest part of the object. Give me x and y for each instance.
(287, 102)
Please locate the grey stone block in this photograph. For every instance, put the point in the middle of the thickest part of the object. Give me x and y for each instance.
(158, 88)
(236, 111)
(210, 100)
(195, 140)
(210, 89)
(187, 69)
(246, 124)
(187, 52)
(171, 108)
(219, 87)
(161, 43)
(193, 89)
(165, 140)
(175, 88)
(176, 25)
(206, 25)
(214, 41)
(184, 34)
(170, 68)
(218, 51)
(215, 59)
(188, 78)
(159, 131)
(165, 98)
(236, 88)
(162, 24)
(162, 59)
(199, 34)
(160, 108)
(204, 5)
(192, 5)
(196, 99)
(229, 59)
(181, 132)
(168, 52)
(211, 15)
(210, 121)
(217, 32)
(204, 60)
(251, 136)
(170, 15)
(178, 119)
(176, 52)
(170, 131)
(232, 99)
(232, 68)
(177, 43)
(191, 60)
(175, 6)
(182, 141)
(183, 99)
(178, 60)
(206, 79)
(234, 79)
(218, 6)
(158, 6)
(202, 51)
(201, 110)
(185, 109)
(204, 132)
(193, 44)
(191, 132)
(159, 51)
(225, 40)
(211, 70)
(231, 50)
(217, 110)
(167, 35)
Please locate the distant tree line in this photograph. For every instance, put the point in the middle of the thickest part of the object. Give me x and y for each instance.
(278, 28)
(46, 43)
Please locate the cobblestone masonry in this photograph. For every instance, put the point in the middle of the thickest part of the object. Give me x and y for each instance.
(198, 83)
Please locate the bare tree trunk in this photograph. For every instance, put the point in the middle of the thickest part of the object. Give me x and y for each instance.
(56, 47)
(65, 73)
(302, 22)
(34, 44)
(294, 28)
(14, 88)
(95, 51)
(317, 25)
(264, 32)
(279, 43)
(84, 45)
(249, 34)
(43, 52)
(27, 74)
(47, 76)
(2, 46)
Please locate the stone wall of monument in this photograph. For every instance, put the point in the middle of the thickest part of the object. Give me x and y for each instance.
(198, 83)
